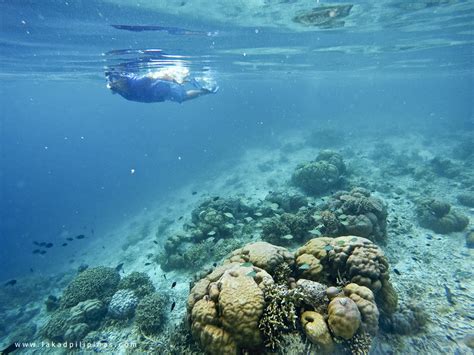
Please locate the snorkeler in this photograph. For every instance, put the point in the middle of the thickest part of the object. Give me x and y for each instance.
(165, 84)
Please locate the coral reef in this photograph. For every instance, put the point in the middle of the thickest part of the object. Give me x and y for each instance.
(321, 175)
(440, 217)
(239, 306)
(445, 167)
(138, 282)
(348, 259)
(353, 213)
(99, 282)
(150, 313)
(123, 304)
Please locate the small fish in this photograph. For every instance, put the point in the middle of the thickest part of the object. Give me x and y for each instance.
(194, 193)
(180, 218)
(42, 252)
(252, 273)
(36, 243)
(155, 242)
(9, 349)
(119, 267)
(173, 305)
(49, 245)
(104, 341)
(449, 295)
(31, 269)
(164, 275)
(64, 244)
(328, 247)
(80, 236)
(247, 264)
(304, 267)
(396, 271)
(92, 231)
(70, 239)
(10, 283)
(287, 237)
(214, 264)
(146, 264)
(36, 251)
(173, 284)
(215, 198)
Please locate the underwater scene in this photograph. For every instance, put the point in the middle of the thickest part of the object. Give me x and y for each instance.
(237, 177)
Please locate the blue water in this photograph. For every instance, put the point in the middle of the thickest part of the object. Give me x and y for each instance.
(68, 145)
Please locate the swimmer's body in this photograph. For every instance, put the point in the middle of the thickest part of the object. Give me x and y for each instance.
(166, 84)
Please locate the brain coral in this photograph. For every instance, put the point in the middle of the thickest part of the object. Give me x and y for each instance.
(348, 259)
(98, 282)
(225, 307)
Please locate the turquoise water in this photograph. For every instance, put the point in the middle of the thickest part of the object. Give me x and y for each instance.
(77, 160)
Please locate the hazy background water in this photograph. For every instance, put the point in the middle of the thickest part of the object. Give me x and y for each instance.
(68, 145)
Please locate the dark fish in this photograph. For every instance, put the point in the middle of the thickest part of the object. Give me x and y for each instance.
(9, 349)
(449, 295)
(215, 198)
(92, 230)
(10, 283)
(70, 239)
(80, 236)
(173, 305)
(31, 269)
(42, 252)
(49, 245)
(64, 244)
(215, 264)
(396, 271)
(104, 341)
(180, 218)
(119, 267)
(36, 251)
(164, 275)
(36, 243)
(155, 242)
(169, 30)
(194, 193)
(173, 284)
(146, 264)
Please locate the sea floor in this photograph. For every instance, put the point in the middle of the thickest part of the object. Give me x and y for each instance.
(434, 271)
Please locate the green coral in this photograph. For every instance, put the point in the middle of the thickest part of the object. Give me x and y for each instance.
(278, 229)
(99, 282)
(138, 282)
(150, 313)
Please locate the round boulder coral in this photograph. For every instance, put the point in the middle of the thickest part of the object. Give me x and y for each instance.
(98, 282)
(440, 217)
(150, 313)
(225, 307)
(123, 304)
(263, 255)
(344, 317)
